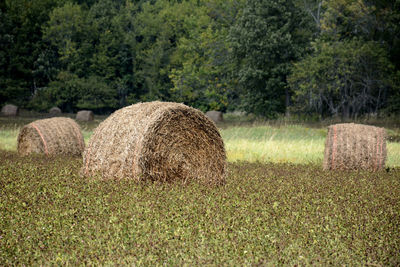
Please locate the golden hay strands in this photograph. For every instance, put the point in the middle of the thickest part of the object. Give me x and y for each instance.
(52, 137)
(352, 146)
(157, 141)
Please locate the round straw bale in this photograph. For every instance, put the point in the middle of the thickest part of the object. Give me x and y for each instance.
(216, 116)
(54, 111)
(9, 110)
(52, 137)
(352, 146)
(161, 141)
(84, 115)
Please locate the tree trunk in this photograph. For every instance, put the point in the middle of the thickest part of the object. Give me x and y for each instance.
(287, 102)
(345, 112)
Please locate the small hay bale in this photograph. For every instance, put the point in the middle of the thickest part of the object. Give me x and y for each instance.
(55, 111)
(84, 115)
(9, 110)
(160, 141)
(216, 116)
(352, 146)
(52, 137)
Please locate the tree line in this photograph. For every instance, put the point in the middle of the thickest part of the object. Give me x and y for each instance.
(267, 57)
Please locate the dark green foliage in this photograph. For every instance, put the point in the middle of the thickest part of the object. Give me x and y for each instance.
(114, 55)
(266, 39)
(20, 43)
(277, 214)
(202, 76)
(163, 30)
(7, 92)
(69, 92)
(210, 54)
(96, 48)
(353, 68)
(347, 78)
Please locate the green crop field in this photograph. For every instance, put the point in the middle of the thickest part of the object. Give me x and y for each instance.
(278, 207)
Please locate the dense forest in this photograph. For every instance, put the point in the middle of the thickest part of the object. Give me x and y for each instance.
(266, 57)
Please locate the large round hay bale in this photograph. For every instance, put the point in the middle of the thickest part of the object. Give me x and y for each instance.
(157, 141)
(352, 146)
(52, 137)
(84, 115)
(55, 111)
(216, 116)
(9, 110)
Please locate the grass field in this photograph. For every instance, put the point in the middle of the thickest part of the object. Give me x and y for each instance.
(291, 143)
(278, 207)
(261, 142)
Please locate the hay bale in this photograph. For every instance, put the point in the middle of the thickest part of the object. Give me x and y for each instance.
(84, 115)
(216, 116)
(52, 137)
(55, 111)
(157, 141)
(352, 146)
(9, 110)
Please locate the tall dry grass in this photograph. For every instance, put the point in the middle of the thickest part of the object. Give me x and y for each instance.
(263, 142)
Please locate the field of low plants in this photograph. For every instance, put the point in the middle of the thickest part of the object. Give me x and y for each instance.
(278, 207)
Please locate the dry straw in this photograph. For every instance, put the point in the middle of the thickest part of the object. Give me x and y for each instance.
(55, 111)
(352, 146)
(216, 116)
(52, 137)
(84, 115)
(160, 141)
(10, 110)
